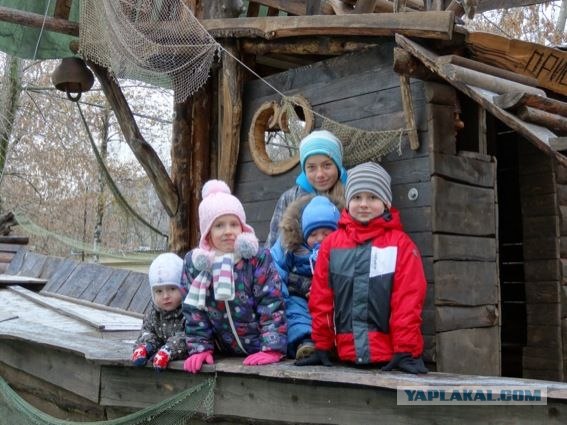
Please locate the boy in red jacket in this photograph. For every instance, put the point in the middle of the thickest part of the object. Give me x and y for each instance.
(368, 288)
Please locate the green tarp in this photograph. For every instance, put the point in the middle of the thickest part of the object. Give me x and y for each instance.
(21, 41)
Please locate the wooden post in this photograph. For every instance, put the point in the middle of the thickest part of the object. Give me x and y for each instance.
(231, 82)
(408, 111)
(313, 7)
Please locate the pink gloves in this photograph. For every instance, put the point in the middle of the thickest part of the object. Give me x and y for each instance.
(262, 357)
(194, 362)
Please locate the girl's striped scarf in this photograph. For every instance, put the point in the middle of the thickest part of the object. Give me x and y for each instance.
(221, 274)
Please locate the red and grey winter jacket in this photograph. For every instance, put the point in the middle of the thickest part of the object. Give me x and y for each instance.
(368, 291)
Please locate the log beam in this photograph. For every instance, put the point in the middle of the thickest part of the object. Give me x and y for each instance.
(142, 150)
(555, 123)
(436, 25)
(512, 101)
(36, 20)
(307, 46)
(232, 80)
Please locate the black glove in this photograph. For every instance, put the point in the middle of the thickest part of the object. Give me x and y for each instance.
(319, 357)
(406, 363)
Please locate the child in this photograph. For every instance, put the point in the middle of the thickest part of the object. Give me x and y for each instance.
(322, 172)
(235, 300)
(305, 223)
(368, 287)
(163, 329)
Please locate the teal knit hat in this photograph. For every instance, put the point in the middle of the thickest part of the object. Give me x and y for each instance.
(321, 142)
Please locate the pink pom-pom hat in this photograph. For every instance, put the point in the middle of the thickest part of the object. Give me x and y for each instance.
(217, 201)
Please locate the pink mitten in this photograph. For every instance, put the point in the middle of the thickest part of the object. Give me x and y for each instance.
(262, 357)
(161, 359)
(194, 362)
(140, 356)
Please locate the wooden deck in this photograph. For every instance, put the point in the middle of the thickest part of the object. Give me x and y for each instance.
(78, 354)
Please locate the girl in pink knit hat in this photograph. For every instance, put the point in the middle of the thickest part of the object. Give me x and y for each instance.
(235, 301)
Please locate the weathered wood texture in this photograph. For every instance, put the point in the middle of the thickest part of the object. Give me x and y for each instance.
(538, 135)
(538, 187)
(9, 247)
(365, 96)
(463, 222)
(546, 64)
(104, 285)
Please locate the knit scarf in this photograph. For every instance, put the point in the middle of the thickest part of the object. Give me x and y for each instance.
(223, 282)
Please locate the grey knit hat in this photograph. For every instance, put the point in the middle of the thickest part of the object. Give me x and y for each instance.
(369, 177)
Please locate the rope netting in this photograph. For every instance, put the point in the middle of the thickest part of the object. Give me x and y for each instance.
(160, 42)
(359, 145)
(176, 410)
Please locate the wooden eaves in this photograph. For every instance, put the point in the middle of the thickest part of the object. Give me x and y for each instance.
(540, 136)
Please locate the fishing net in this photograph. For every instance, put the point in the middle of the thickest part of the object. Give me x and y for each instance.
(157, 41)
(359, 145)
(176, 410)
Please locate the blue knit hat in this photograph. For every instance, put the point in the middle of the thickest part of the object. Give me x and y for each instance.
(319, 213)
(321, 142)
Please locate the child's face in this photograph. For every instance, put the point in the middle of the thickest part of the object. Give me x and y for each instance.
(364, 206)
(321, 172)
(224, 231)
(167, 297)
(317, 236)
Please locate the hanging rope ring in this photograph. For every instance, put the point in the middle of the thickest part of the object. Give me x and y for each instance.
(271, 117)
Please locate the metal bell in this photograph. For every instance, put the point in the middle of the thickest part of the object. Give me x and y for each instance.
(73, 77)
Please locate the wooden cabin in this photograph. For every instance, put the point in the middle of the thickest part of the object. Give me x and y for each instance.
(479, 179)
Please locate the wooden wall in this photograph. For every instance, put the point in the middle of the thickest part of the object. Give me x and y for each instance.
(363, 91)
(463, 226)
(541, 199)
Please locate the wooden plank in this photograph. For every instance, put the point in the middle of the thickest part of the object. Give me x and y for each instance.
(141, 299)
(111, 288)
(437, 25)
(543, 314)
(454, 213)
(10, 247)
(454, 247)
(541, 248)
(82, 278)
(469, 351)
(440, 94)
(546, 64)
(537, 184)
(61, 275)
(466, 283)
(416, 219)
(542, 292)
(127, 290)
(542, 270)
(451, 318)
(441, 128)
(61, 368)
(92, 315)
(92, 305)
(544, 336)
(18, 240)
(401, 200)
(539, 205)
(463, 169)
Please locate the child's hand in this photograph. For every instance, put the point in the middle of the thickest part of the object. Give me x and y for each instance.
(194, 362)
(262, 358)
(161, 359)
(140, 356)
